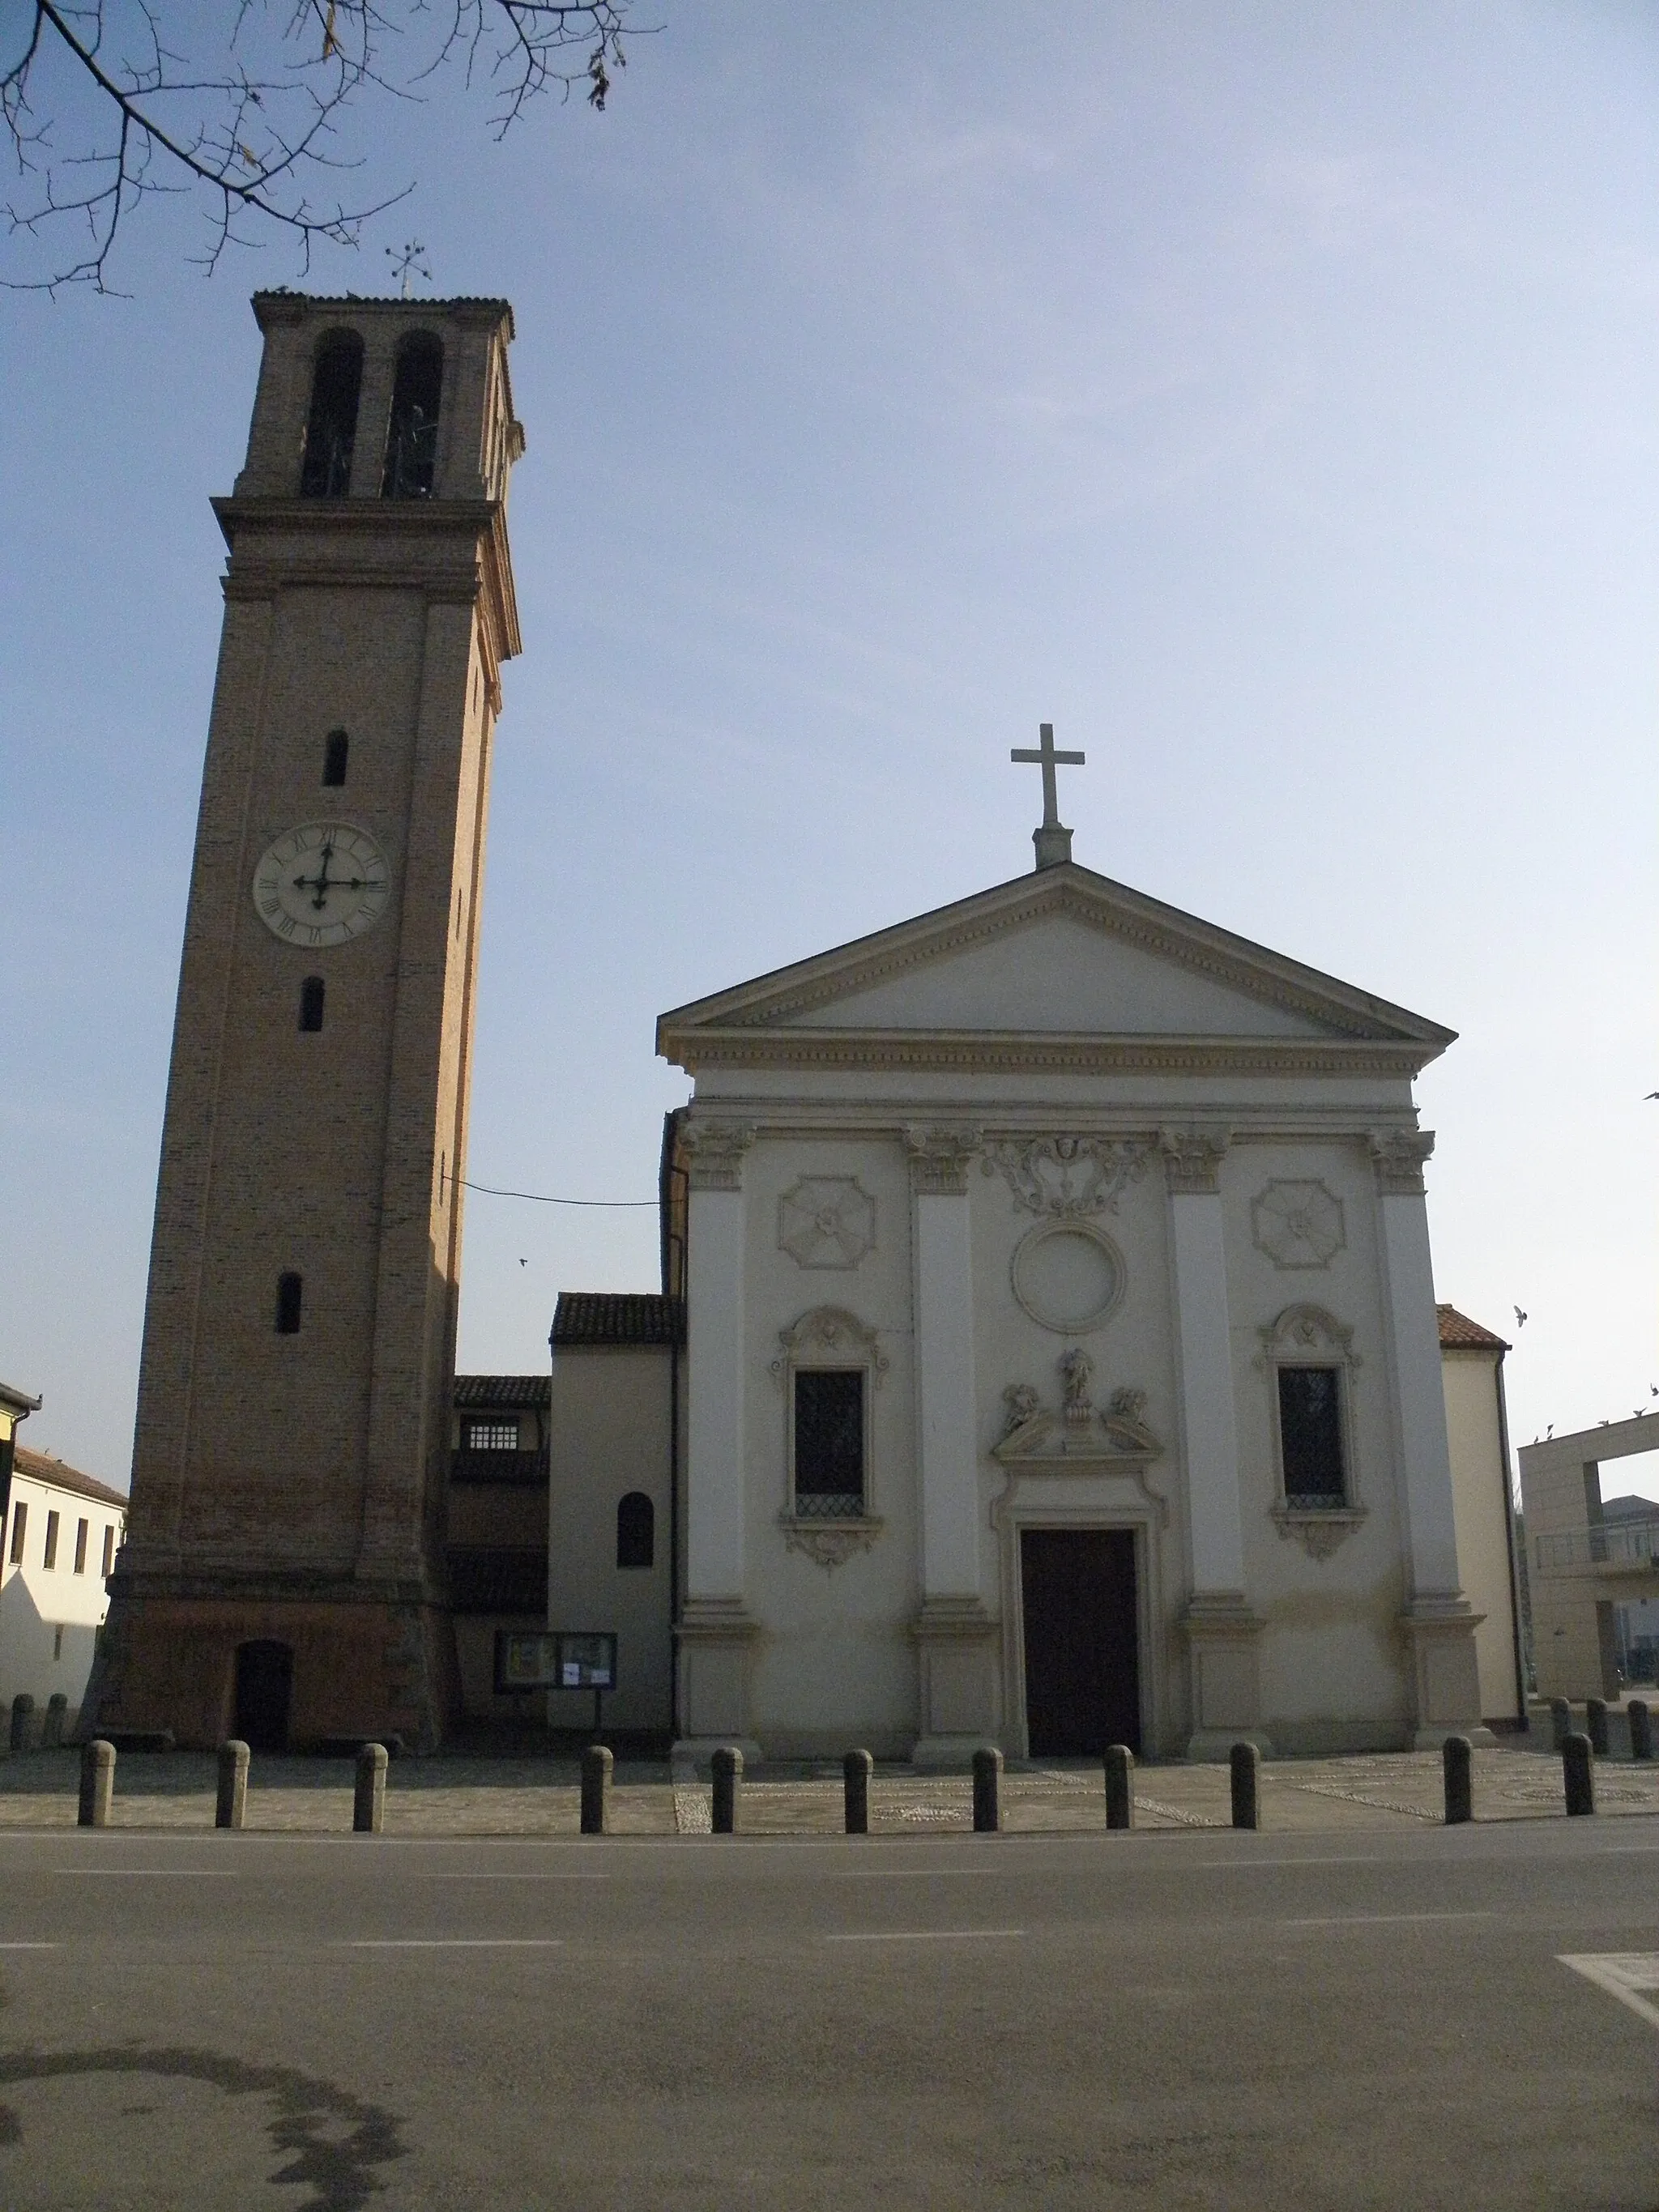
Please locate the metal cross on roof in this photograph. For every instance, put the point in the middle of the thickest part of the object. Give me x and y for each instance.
(1053, 840)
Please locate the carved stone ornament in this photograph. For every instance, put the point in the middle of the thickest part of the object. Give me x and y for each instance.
(940, 1157)
(1318, 1532)
(828, 1544)
(1191, 1158)
(715, 1150)
(1306, 1333)
(830, 1329)
(1078, 1435)
(1067, 1175)
(826, 1221)
(1297, 1225)
(1397, 1157)
(1068, 1275)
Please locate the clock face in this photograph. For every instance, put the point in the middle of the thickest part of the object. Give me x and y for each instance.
(321, 884)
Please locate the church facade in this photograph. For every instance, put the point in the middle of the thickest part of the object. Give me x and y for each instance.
(1063, 1363)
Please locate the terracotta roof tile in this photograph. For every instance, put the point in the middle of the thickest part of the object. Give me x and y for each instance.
(474, 1391)
(592, 1317)
(41, 1467)
(1459, 1334)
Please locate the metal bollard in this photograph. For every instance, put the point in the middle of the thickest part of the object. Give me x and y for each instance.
(368, 1800)
(988, 1790)
(1560, 1720)
(1120, 1786)
(1244, 1771)
(1641, 1729)
(1457, 1758)
(598, 1767)
(856, 1769)
(22, 1721)
(231, 1809)
(1595, 1725)
(97, 1783)
(1578, 1773)
(725, 1768)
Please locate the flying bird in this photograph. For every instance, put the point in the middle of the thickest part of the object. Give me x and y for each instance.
(524, 1263)
(1520, 1318)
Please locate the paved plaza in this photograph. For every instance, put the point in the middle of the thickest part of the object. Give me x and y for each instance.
(461, 1797)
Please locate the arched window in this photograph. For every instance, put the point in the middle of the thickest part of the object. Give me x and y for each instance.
(636, 1531)
(290, 1290)
(411, 444)
(311, 1003)
(336, 384)
(336, 747)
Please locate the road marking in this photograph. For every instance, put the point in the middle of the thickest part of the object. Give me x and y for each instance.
(454, 1944)
(929, 1935)
(1381, 1919)
(1622, 1974)
(27, 1947)
(181, 1873)
(902, 1873)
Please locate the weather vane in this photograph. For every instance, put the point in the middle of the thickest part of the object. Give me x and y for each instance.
(409, 261)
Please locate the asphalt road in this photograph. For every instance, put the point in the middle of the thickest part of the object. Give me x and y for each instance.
(1196, 2020)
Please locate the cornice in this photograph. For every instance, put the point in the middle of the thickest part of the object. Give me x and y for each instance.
(989, 1050)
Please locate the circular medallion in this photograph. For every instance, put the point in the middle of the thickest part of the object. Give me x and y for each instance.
(321, 884)
(1068, 1276)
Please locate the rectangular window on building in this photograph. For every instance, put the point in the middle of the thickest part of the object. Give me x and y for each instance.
(1310, 1435)
(492, 1436)
(109, 1551)
(829, 1442)
(52, 1540)
(20, 1521)
(81, 1529)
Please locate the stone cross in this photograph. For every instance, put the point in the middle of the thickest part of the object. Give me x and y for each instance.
(1053, 840)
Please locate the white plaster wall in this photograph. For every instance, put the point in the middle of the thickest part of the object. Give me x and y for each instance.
(1480, 1500)
(35, 1600)
(609, 1434)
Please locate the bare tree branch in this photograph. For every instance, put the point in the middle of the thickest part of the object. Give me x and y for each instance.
(101, 112)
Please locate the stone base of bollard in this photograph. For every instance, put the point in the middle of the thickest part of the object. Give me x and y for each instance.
(1245, 1774)
(725, 1771)
(230, 1808)
(97, 1783)
(988, 1790)
(1457, 1760)
(856, 1768)
(368, 1800)
(598, 1767)
(1120, 1786)
(1578, 1773)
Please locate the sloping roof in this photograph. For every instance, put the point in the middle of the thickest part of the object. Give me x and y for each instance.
(40, 1467)
(617, 1317)
(474, 1391)
(1459, 1334)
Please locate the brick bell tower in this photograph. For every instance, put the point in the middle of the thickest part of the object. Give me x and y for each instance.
(281, 1578)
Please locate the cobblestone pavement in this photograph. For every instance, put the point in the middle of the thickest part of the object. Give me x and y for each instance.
(463, 1796)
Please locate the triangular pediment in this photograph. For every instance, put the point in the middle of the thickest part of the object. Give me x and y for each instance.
(1062, 955)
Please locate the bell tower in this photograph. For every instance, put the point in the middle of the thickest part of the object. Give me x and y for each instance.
(280, 1578)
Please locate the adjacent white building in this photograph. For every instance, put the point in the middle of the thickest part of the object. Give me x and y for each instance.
(62, 1530)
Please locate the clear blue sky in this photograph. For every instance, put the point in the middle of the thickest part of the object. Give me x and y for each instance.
(1266, 396)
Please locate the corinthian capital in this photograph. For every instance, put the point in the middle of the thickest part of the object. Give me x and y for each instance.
(1397, 1158)
(1191, 1158)
(715, 1153)
(940, 1158)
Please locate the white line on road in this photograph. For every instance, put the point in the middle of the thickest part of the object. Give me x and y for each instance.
(27, 1947)
(181, 1873)
(927, 1936)
(1622, 1974)
(1381, 1919)
(454, 1944)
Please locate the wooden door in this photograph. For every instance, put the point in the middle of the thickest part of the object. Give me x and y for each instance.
(1082, 1661)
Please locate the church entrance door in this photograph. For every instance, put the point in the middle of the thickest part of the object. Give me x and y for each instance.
(265, 1684)
(1082, 1671)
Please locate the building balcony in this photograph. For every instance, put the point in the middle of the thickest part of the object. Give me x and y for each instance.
(1616, 1549)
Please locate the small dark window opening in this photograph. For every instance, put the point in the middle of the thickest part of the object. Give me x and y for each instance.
(20, 1521)
(332, 426)
(53, 1521)
(1310, 1435)
(81, 1528)
(636, 1531)
(411, 445)
(109, 1552)
(829, 1442)
(290, 1290)
(334, 749)
(311, 1003)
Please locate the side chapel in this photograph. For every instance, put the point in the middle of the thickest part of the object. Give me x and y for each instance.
(1062, 1361)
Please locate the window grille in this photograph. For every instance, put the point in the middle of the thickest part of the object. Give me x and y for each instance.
(829, 1443)
(1310, 1435)
(492, 1436)
(636, 1531)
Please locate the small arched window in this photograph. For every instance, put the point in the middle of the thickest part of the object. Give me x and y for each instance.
(411, 444)
(636, 1531)
(335, 748)
(290, 1290)
(331, 426)
(311, 1003)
